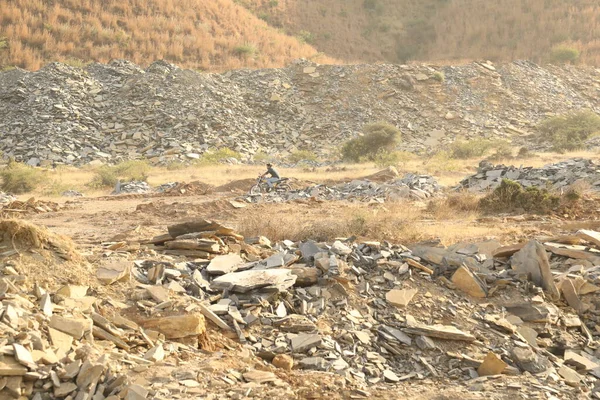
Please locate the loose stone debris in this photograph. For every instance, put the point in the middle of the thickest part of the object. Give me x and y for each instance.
(375, 314)
(16, 208)
(416, 187)
(118, 111)
(6, 198)
(552, 176)
(132, 187)
(274, 298)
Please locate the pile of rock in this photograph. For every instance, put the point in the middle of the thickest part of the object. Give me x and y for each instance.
(58, 345)
(6, 198)
(119, 111)
(17, 208)
(389, 310)
(133, 187)
(553, 176)
(72, 193)
(416, 187)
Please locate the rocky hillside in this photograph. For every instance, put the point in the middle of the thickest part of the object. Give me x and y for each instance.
(121, 111)
(400, 30)
(199, 34)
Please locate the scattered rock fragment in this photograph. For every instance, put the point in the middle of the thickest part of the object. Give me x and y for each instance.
(469, 283)
(491, 365)
(400, 298)
(283, 361)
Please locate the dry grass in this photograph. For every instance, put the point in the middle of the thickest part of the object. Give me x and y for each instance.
(461, 205)
(198, 34)
(327, 222)
(441, 30)
(42, 254)
(405, 223)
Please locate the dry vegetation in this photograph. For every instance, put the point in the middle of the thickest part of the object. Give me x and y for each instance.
(200, 34)
(226, 34)
(392, 30)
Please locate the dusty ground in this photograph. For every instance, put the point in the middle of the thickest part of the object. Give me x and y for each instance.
(98, 219)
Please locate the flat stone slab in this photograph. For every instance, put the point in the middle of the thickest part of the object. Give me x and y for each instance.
(400, 297)
(221, 265)
(302, 343)
(245, 281)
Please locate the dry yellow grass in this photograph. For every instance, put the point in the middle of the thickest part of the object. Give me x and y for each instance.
(377, 30)
(199, 34)
(217, 35)
(403, 222)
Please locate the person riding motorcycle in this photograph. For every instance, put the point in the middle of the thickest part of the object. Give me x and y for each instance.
(274, 175)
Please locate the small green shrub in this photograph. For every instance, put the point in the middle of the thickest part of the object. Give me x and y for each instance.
(108, 175)
(76, 63)
(563, 54)
(175, 165)
(19, 178)
(511, 196)
(370, 4)
(218, 156)
(301, 155)
(463, 149)
(438, 76)
(568, 132)
(265, 17)
(245, 50)
(306, 37)
(378, 137)
(524, 153)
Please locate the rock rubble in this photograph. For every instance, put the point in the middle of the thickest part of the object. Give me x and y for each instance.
(411, 186)
(275, 298)
(108, 113)
(552, 176)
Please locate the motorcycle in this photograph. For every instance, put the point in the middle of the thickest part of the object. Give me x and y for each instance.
(261, 186)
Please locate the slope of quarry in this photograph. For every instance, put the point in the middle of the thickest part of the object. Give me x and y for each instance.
(118, 111)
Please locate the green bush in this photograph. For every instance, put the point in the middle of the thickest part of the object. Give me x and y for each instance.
(245, 50)
(306, 37)
(511, 196)
(524, 153)
(19, 178)
(370, 4)
(563, 54)
(438, 76)
(301, 155)
(108, 175)
(463, 149)
(568, 132)
(214, 157)
(378, 137)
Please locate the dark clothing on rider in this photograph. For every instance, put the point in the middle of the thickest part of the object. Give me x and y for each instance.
(271, 171)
